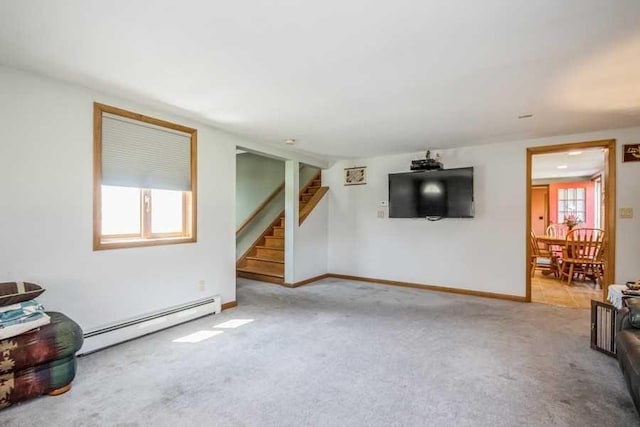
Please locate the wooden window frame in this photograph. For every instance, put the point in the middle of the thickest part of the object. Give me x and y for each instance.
(145, 238)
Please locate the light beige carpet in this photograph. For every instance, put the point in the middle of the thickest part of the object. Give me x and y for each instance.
(339, 353)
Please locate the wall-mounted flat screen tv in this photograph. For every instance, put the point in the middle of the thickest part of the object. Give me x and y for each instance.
(446, 193)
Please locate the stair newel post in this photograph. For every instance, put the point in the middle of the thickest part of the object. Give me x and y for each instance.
(291, 211)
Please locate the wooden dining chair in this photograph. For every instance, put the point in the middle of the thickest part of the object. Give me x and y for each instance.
(597, 269)
(551, 231)
(584, 254)
(556, 230)
(542, 259)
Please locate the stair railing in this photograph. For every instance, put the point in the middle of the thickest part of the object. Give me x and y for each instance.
(259, 209)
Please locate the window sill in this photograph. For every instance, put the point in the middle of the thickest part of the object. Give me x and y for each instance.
(138, 243)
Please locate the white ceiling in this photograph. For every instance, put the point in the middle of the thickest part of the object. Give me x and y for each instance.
(348, 78)
(587, 163)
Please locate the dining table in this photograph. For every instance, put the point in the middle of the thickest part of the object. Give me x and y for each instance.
(557, 245)
(552, 240)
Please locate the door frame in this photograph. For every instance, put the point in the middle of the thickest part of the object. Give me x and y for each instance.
(610, 204)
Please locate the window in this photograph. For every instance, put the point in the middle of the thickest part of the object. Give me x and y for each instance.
(144, 180)
(571, 201)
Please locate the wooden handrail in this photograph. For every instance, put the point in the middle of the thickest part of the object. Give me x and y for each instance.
(269, 199)
(315, 199)
(260, 208)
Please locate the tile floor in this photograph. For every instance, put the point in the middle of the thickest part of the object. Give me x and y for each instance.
(548, 290)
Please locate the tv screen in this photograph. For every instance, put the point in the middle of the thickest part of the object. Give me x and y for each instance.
(446, 193)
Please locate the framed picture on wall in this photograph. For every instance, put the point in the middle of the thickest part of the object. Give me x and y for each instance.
(631, 153)
(355, 176)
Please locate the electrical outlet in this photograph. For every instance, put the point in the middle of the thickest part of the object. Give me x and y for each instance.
(201, 285)
(380, 214)
(626, 213)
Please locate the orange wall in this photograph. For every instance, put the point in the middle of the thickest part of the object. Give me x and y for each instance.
(590, 201)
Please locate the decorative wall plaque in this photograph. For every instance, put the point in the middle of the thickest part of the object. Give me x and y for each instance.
(355, 176)
(631, 153)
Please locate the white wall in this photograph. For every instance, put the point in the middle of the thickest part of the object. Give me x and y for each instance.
(312, 243)
(486, 253)
(256, 179)
(46, 197)
(311, 237)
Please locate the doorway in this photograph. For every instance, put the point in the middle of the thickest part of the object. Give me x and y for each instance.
(567, 183)
(539, 209)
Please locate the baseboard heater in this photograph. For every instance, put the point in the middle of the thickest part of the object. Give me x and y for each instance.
(109, 335)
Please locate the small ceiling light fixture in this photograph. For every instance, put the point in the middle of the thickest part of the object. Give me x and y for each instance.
(563, 167)
(290, 141)
(574, 153)
(525, 116)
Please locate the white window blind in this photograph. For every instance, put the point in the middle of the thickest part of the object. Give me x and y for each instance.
(141, 155)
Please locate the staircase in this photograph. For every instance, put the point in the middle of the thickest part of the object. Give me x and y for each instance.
(264, 261)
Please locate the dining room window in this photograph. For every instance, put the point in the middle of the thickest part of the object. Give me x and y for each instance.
(572, 201)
